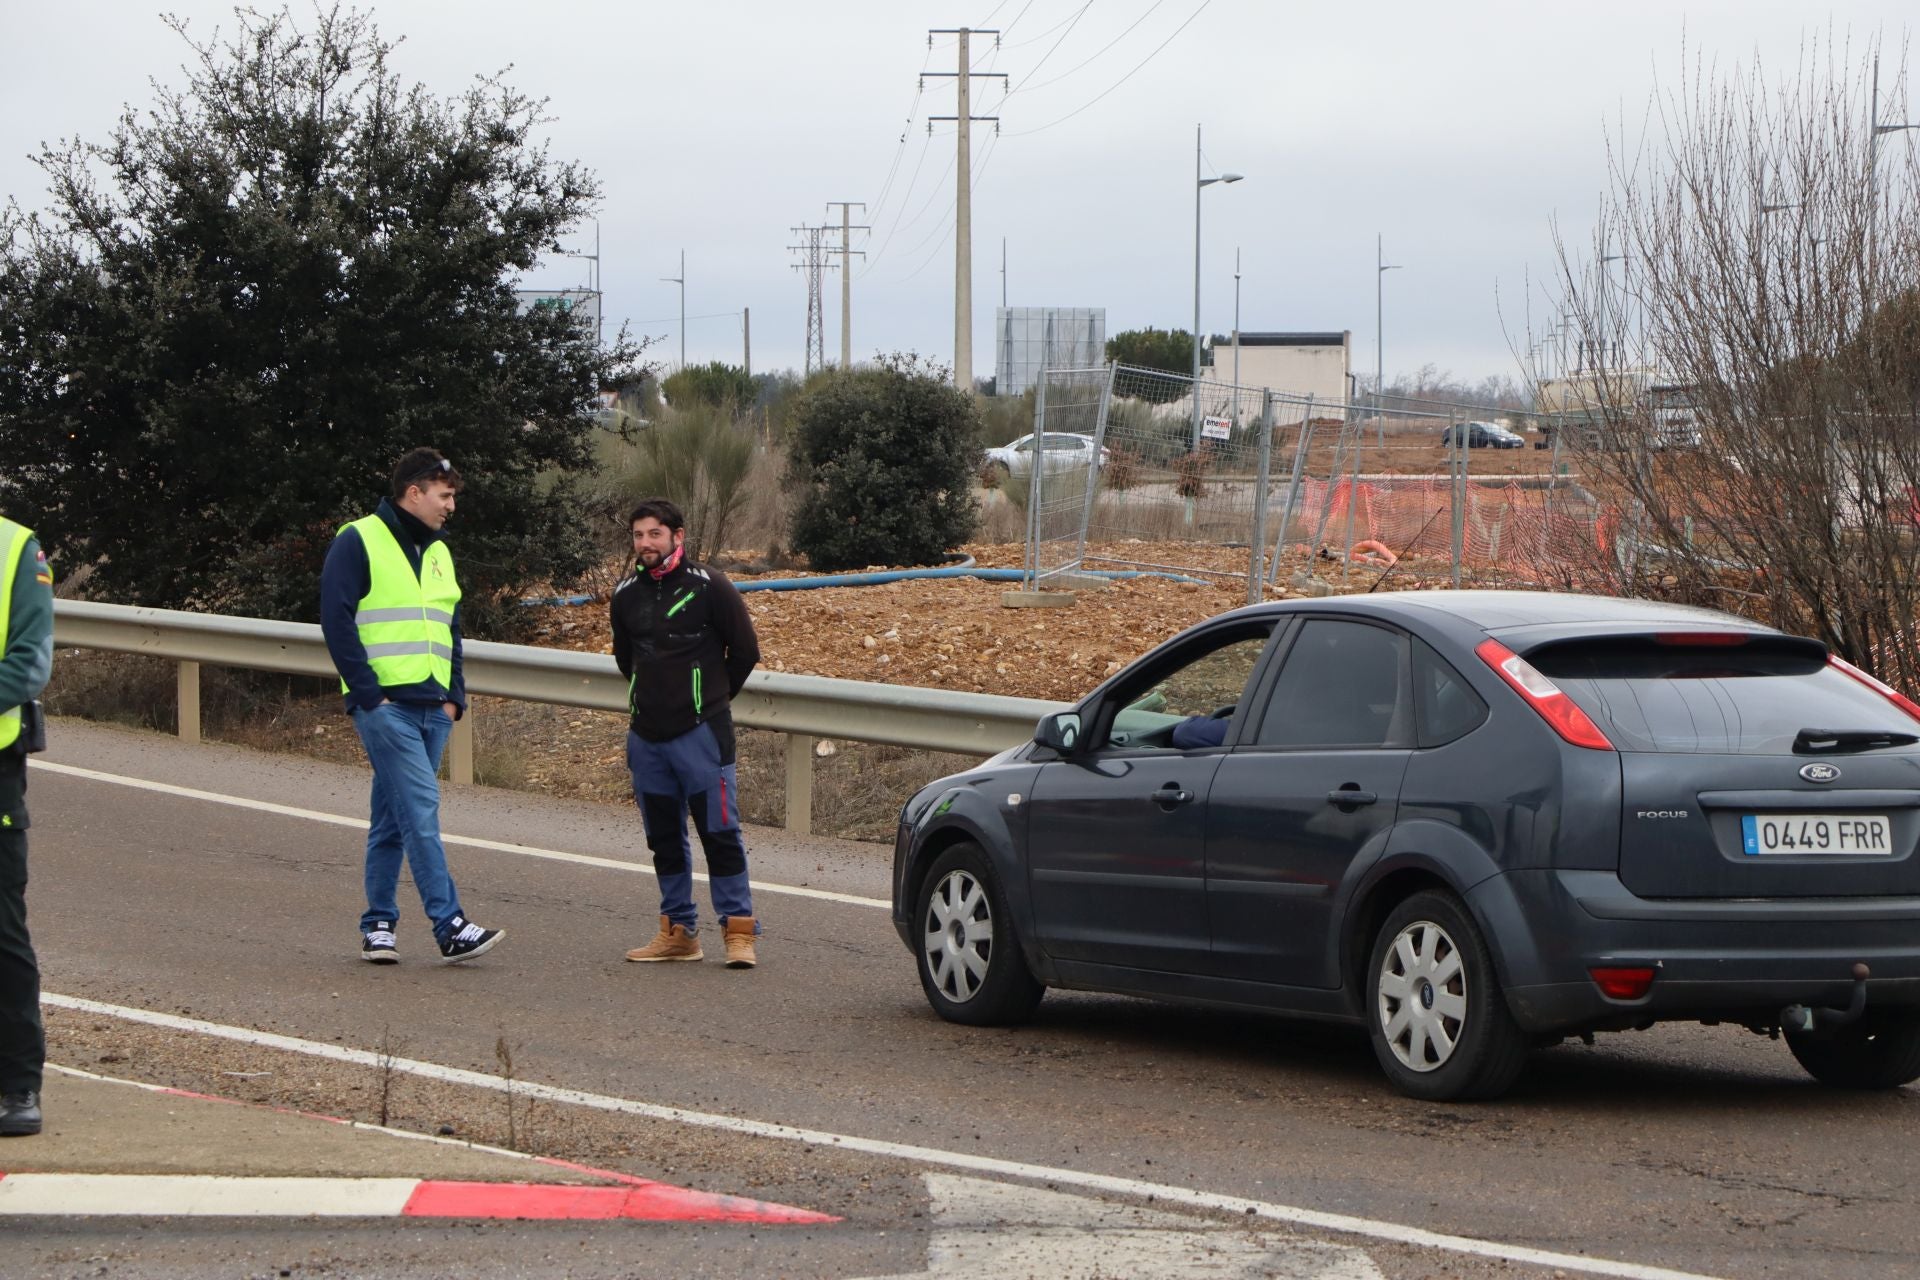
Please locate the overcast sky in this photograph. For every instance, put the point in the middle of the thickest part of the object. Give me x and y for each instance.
(1458, 132)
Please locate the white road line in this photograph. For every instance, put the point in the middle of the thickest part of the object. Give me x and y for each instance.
(1369, 1228)
(473, 842)
(171, 1196)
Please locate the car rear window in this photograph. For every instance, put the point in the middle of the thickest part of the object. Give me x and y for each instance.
(1751, 699)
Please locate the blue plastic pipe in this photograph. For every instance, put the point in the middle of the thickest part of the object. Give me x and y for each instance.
(967, 569)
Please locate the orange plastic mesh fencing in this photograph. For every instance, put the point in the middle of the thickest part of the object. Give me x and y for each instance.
(1525, 531)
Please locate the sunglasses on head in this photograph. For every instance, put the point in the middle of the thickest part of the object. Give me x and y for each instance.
(430, 471)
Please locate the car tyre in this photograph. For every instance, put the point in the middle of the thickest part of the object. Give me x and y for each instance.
(971, 966)
(1880, 1051)
(1435, 1012)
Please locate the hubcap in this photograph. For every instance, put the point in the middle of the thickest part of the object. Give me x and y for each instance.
(1423, 996)
(957, 937)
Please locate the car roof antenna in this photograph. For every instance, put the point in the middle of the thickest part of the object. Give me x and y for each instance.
(1396, 564)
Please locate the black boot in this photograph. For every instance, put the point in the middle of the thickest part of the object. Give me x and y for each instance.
(19, 1114)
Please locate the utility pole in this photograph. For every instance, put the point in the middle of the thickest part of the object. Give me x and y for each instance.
(963, 196)
(812, 263)
(846, 276)
(746, 339)
(1236, 332)
(1876, 131)
(681, 280)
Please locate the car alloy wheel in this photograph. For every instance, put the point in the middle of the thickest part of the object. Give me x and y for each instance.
(959, 936)
(971, 967)
(1423, 996)
(1440, 1025)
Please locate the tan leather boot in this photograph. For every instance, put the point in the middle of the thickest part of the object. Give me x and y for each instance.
(740, 942)
(673, 942)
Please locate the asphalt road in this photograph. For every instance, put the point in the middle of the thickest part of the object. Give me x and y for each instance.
(1699, 1149)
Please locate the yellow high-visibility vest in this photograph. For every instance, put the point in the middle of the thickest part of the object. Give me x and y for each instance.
(13, 544)
(405, 622)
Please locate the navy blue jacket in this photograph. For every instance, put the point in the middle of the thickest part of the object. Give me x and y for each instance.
(344, 581)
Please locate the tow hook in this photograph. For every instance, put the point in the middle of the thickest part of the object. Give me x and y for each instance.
(1801, 1019)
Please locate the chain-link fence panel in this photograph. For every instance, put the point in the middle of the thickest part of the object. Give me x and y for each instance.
(1056, 470)
(1185, 463)
(1182, 477)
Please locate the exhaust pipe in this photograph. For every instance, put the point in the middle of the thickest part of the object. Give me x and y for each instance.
(1801, 1019)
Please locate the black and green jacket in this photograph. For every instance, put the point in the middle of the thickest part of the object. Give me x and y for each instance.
(686, 645)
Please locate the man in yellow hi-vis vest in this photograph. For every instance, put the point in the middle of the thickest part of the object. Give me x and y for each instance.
(26, 659)
(390, 610)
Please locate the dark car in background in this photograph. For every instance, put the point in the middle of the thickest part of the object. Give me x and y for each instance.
(1473, 822)
(1482, 435)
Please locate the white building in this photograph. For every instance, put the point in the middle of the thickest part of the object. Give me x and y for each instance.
(1300, 364)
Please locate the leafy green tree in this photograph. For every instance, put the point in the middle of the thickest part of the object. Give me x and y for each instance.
(716, 384)
(252, 298)
(881, 458)
(1169, 350)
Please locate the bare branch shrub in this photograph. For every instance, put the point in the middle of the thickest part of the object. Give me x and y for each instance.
(1759, 265)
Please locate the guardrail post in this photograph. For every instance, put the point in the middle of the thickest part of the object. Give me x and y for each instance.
(800, 783)
(187, 701)
(460, 749)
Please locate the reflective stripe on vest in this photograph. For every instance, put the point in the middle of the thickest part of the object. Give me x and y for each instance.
(405, 621)
(13, 544)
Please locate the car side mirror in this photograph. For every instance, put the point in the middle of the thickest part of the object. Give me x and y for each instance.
(1060, 731)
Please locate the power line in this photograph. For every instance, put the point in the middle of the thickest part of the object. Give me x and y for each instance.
(1016, 19)
(947, 223)
(1044, 34)
(897, 224)
(711, 315)
(900, 148)
(1122, 80)
(1103, 48)
(1050, 49)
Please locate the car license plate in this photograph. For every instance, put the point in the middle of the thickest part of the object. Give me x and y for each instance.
(1852, 834)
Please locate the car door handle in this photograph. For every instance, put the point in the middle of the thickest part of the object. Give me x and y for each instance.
(1171, 797)
(1350, 796)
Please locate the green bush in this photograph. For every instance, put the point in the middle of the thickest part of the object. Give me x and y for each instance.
(698, 457)
(880, 459)
(715, 385)
(1004, 419)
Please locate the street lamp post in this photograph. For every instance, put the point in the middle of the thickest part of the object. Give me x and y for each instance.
(1199, 185)
(1381, 267)
(1236, 335)
(1618, 364)
(681, 280)
(599, 300)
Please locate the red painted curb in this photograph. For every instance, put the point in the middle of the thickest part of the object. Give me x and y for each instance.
(650, 1202)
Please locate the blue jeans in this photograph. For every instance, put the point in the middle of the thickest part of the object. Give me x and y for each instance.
(673, 780)
(404, 742)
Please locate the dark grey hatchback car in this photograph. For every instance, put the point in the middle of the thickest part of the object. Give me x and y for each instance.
(1475, 822)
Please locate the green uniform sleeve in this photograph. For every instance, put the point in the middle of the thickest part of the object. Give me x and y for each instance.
(28, 660)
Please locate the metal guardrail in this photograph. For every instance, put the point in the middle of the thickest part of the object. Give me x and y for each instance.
(804, 708)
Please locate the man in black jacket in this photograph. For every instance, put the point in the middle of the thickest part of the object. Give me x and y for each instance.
(683, 639)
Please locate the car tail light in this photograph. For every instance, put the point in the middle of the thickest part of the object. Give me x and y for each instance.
(1886, 691)
(1622, 984)
(1544, 696)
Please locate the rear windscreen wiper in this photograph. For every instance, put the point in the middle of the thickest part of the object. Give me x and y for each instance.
(1820, 741)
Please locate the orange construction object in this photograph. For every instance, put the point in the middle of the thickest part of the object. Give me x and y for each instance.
(1371, 552)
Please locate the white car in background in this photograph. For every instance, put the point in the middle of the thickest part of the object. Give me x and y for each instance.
(1062, 451)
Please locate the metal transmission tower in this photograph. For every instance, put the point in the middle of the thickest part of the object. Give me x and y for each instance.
(963, 194)
(847, 228)
(813, 261)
